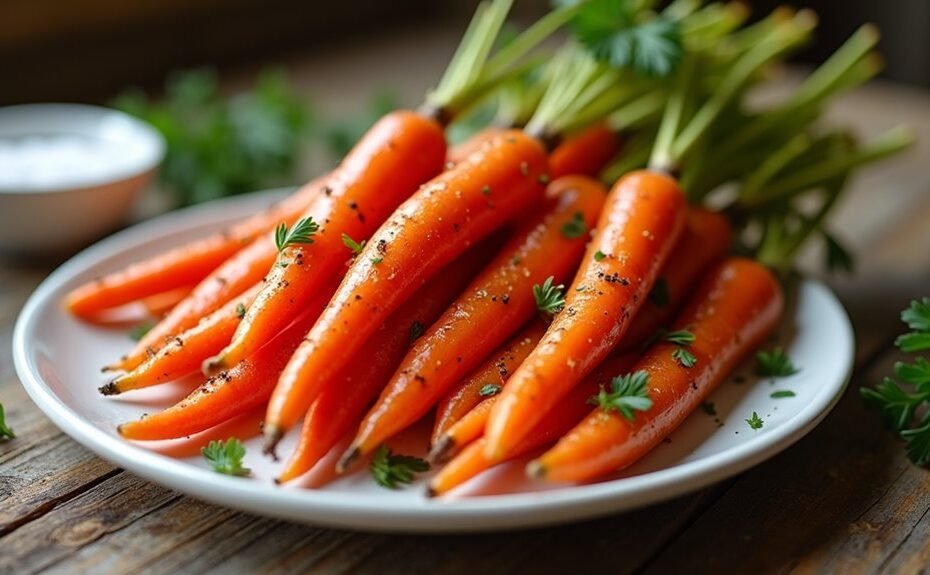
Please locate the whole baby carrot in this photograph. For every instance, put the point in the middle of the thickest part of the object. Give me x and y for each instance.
(585, 153)
(640, 224)
(159, 304)
(456, 209)
(736, 306)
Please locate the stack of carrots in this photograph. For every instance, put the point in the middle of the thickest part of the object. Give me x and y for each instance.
(498, 285)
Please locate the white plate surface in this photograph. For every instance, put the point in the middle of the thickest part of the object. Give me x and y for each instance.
(58, 360)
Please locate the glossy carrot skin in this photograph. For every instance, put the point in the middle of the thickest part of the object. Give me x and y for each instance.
(400, 153)
(340, 405)
(494, 306)
(185, 265)
(495, 370)
(585, 153)
(705, 240)
(186, 352)
(570, 410)
(239, 390)
(460, 152)
(464, 431)
(159, 304)
(641, 222)
(456, 209)
(733, 310)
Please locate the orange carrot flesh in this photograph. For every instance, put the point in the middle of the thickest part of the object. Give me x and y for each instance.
(457, 208)
(585, 153)
(494, 306)
(570, 410)
(464, 431)
(381, 172)
(736, 305)
(642, 219)
(159, 304)
(494, 371)
(239, 390)
(185, 353)
(340, 405)
(185, 265)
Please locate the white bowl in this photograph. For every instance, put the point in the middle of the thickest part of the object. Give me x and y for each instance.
(98, 160)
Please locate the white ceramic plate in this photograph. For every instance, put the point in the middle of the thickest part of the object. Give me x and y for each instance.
(58, 360)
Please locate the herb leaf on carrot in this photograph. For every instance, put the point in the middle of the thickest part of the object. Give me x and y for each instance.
(628, 394)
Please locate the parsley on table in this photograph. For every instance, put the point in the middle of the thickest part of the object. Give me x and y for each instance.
(353, 245)
(226, 457)
(301, 233)
(489, 389)
(139, 331)
(628, 394)
(550, 299)
(5, 431)
(575, 227)
(775, 363)
(901, 400)
(390, 469)
(755, 422)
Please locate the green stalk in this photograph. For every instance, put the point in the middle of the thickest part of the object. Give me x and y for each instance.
(662, 157)
(637, 112)
(774, 164)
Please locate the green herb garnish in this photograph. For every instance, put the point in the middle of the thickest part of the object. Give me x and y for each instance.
(575, 227)
(5, 431)
(301, 233)
(489, 389)
(353, 245)
(755, 422)
(775, 363)
(684, 357)
(628, 394)
(679, 337)
(782, 394)
(226, 457)
(240, 310)
(377, 260)
(139, 331)
(549, 298)
(390, 469)
(599, 256)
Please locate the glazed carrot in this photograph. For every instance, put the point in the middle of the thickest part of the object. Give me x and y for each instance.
(736, 305)
(470, 145)
(372, 181)
(641, 221)
(230, 393)
(547, 244)
(159, 304)
(185, 353)
(341, 404)
(570, 410)
(464, 431)
(704, 240)
(585, 153)
(457, 208)
(398, 153)
(493, 372)
(185, 265)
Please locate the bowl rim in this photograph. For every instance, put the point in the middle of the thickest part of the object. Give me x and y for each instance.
(157, 147)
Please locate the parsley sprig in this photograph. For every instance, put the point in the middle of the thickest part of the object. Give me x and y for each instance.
(775, 363)
(226, 457)
(550, 299)
(628, 394)
(390, 469)
(5, 431)
(301, 233)
(755, 422)
(353, 245)
(902, 400)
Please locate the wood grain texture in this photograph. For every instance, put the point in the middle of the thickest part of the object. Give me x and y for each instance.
(843, 499)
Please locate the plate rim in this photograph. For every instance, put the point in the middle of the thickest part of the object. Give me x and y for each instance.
(348, 510)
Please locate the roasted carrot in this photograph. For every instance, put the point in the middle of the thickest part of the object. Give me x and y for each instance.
(159, 304)
(398, 153)
(736, 305)
(585, 153)
(547, 244)
(245, 387)
(490, 377)
(570, 410)
(341, 404)
(642, 219)
(186, 352)
(704, 240)
(457, 208)
(185, 265)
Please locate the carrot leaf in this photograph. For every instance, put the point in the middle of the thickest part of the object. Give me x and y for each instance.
(226, 457)
(628, 394)
(301, 233)
(5, 431)
(390, 469)
(550, 299)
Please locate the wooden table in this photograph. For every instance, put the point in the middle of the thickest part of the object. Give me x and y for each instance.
(842, 499)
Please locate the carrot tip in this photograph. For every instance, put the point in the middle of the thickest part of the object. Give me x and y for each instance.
(347, 459)
(442, 450)
(535, 469)
(110, 388)
(272, 437)
(213, 365)
(431, 492)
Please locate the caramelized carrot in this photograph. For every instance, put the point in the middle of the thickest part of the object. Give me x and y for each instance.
(547, 244)
(640, 224)
(398, 153)
(185, 353)
(239, 390)
(340, 405)
(184, 265)
(159, 304)
(736, 305)
(585, 153)
(570, 410)
(454, 210)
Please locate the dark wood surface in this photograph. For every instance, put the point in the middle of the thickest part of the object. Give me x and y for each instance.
(843, 499)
